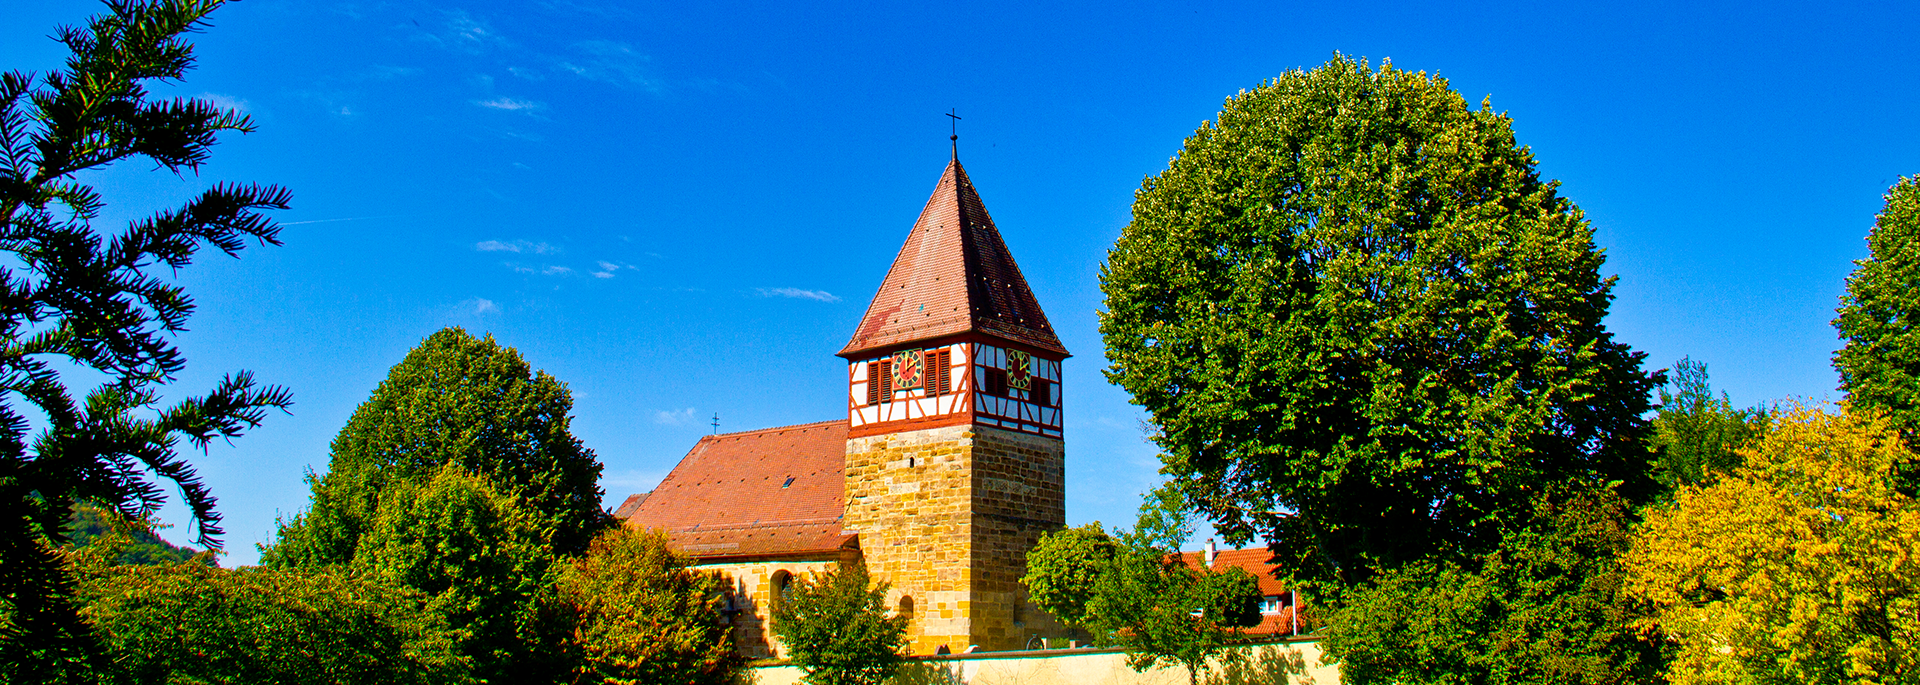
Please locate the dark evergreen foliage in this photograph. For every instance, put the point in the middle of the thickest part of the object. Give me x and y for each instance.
(75, 296)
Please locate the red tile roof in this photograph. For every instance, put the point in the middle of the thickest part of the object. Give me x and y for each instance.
(768, 492)
(1254, 561)
(628, 507)
(953, 276)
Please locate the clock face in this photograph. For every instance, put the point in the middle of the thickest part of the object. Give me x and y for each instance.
(909, 368)
(1019, 370)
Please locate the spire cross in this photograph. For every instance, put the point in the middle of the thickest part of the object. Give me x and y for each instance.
(955, 125)
(716, 423)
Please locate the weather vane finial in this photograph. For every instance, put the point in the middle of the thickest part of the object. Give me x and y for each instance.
(955, 124)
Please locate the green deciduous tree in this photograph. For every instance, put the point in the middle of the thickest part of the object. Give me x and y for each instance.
(1802, 566)
(835, 627)
(1164, 612)
(1695, 434)
(1064, 570)
(459, 478)
(190, 623)
(1365, 328)
(477, 556)
(1548, 606)
(644, 617)
(1136, 592)
(455, 399)
(141, 547)
(1880, 320)
(73, 297)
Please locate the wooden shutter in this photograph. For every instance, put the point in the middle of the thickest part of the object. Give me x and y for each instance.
(886, 379)
(997, 382)
(873, 383)
(940, 372)
(1042, 392)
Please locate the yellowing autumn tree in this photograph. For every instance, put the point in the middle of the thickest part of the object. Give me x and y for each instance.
(1800, 567)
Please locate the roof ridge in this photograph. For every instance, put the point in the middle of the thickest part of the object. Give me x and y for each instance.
(770, 429)
(778, 523)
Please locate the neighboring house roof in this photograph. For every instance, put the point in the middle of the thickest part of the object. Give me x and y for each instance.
(1254, 561)
(953, 276)
(770, 492)
(628, 507)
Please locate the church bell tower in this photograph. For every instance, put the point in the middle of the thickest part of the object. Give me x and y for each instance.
(955, 462)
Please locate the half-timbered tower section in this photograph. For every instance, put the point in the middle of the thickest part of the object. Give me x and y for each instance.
(954, 454)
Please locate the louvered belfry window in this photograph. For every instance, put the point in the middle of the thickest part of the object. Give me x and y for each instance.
(939, 372)
(873, 383)
(886, 379)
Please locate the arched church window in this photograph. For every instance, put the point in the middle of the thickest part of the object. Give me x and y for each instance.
(905, 609)
(782, 587)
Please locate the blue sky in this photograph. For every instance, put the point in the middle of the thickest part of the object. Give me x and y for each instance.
(683, 208)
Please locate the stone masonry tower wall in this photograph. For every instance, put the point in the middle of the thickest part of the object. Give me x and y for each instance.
(947, 515)
(955, 463)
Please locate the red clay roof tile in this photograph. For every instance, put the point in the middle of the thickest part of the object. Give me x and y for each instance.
(765, 492)
(954, 275)
(628, 507)
(1253, 561)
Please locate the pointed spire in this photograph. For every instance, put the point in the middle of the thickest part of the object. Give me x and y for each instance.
(954, 276)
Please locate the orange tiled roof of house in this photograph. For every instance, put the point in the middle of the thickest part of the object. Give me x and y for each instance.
(953, 276)
(1277, 613)
(769, 492)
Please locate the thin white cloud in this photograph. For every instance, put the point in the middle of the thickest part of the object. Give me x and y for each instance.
(678, 417)
(226, 102)
(799, 294)
(464, 32)
(556, 271)
(612, 62)
(511, 104)
(516, 247)
(478, 306)
(608, 269)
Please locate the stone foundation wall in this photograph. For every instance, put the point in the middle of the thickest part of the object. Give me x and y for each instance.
(946, 515)
(1286, 663)
(752, 601)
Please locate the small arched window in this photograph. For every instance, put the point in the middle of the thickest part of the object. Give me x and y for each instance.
(782, 587)
(905, 609)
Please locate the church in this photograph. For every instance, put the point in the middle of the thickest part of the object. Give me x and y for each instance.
(947, 467)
